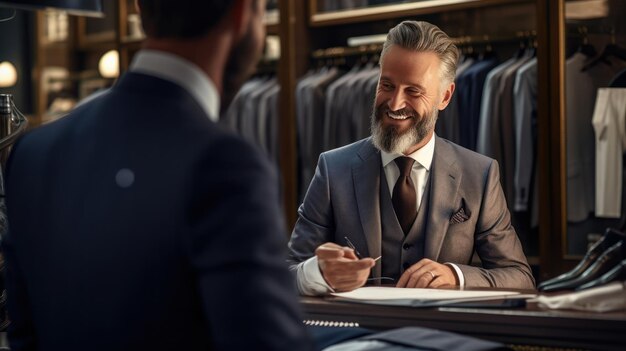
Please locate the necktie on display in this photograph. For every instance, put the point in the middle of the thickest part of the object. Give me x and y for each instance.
(404, 198)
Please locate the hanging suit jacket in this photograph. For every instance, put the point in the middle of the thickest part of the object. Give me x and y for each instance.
(136, 223)
(466, 213)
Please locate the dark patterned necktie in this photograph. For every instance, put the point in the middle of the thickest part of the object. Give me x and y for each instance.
(404, 198)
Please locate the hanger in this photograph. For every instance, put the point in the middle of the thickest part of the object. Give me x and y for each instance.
(534, 44)
(470, 52)
(619, 81)
(611, 49)
(523, 45)
(585, 48)
(374, 58)
(488, 53)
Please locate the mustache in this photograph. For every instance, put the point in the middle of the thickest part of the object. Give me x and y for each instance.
(407, 111)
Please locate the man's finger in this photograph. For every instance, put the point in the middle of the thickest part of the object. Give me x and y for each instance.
(404, 278)
(329, 251)
(437, 282)
(349, 253)
(357, 265)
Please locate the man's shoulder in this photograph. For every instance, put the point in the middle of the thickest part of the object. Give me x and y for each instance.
(363, 147)
(461, 154)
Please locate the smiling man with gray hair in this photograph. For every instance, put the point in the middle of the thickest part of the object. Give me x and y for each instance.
(420, 203)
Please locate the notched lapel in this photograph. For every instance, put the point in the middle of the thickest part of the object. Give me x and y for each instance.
(366, 179)
(444, 196)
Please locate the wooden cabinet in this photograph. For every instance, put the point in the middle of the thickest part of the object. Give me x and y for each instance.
(68, 50)
(564, 241)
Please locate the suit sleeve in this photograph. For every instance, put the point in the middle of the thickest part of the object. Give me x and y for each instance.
(315, 226)
(237, 250)
(21, 329)
(496, 243)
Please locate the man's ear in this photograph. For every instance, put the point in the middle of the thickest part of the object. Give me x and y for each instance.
(447, 95)
(240, 16)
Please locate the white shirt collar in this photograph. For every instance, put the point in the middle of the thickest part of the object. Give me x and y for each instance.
(424, 155)
(181, 72)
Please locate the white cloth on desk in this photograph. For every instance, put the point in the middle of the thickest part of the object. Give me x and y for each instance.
(610, 130)
(610, 297)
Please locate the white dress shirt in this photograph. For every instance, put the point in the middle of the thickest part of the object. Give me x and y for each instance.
(309, 276)
(181, 72)
(609, 124)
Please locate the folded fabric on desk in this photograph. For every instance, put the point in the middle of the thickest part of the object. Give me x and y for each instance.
(610, 297)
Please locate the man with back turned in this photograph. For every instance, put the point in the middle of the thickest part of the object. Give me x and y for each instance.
(137, 222)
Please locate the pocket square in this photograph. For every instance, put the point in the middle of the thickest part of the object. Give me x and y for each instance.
(461, 215)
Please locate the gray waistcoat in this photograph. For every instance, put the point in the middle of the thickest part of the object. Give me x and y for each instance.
(400, 252)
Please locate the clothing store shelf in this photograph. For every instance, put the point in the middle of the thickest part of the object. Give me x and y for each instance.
(415, 8)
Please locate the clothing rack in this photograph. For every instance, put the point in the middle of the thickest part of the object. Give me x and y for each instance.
(467, 40)
(335, 52)
(583, 32)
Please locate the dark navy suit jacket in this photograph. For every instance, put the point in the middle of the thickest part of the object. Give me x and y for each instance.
(138, 224)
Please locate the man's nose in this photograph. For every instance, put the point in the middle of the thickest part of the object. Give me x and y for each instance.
(397, 101)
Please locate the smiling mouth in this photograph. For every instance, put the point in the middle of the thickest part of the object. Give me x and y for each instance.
(399, 116)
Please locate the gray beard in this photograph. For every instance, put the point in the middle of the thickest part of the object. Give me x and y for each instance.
(389, 140)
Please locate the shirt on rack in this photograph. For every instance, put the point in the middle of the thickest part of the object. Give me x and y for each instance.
(310, 102)
(525, 115)
(580, 93)
(335, 106)
(486, 138)
(448, 120)
(610, 131)
(470, 89)
(506, 141)
(254, 114)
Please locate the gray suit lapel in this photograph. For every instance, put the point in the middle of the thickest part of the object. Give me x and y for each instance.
(445, 181)
(366, 179)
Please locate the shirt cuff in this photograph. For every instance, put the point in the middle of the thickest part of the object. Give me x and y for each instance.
(310, 279)
(458, 272)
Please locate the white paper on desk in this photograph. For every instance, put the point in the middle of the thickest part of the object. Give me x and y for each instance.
(422, 297)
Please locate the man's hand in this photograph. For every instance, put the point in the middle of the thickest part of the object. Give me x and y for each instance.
(427, 274)
(340, 267)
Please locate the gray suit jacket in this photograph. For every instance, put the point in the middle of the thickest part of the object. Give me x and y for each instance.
(344, 200)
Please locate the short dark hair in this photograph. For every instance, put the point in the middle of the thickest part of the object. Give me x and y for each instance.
(181, 18)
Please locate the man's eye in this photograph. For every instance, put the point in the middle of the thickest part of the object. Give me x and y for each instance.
(386, 86)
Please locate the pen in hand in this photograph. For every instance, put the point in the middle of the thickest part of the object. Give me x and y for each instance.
(351, 245)
(356, 252)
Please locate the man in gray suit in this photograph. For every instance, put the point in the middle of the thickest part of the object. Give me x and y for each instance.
(419, 202)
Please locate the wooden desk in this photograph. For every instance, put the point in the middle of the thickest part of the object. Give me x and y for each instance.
(521, 326)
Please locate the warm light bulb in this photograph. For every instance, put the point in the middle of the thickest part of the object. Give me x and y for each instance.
(109, 65)
(8, 74)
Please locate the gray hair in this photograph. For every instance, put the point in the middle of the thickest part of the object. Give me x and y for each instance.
(424, 36)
